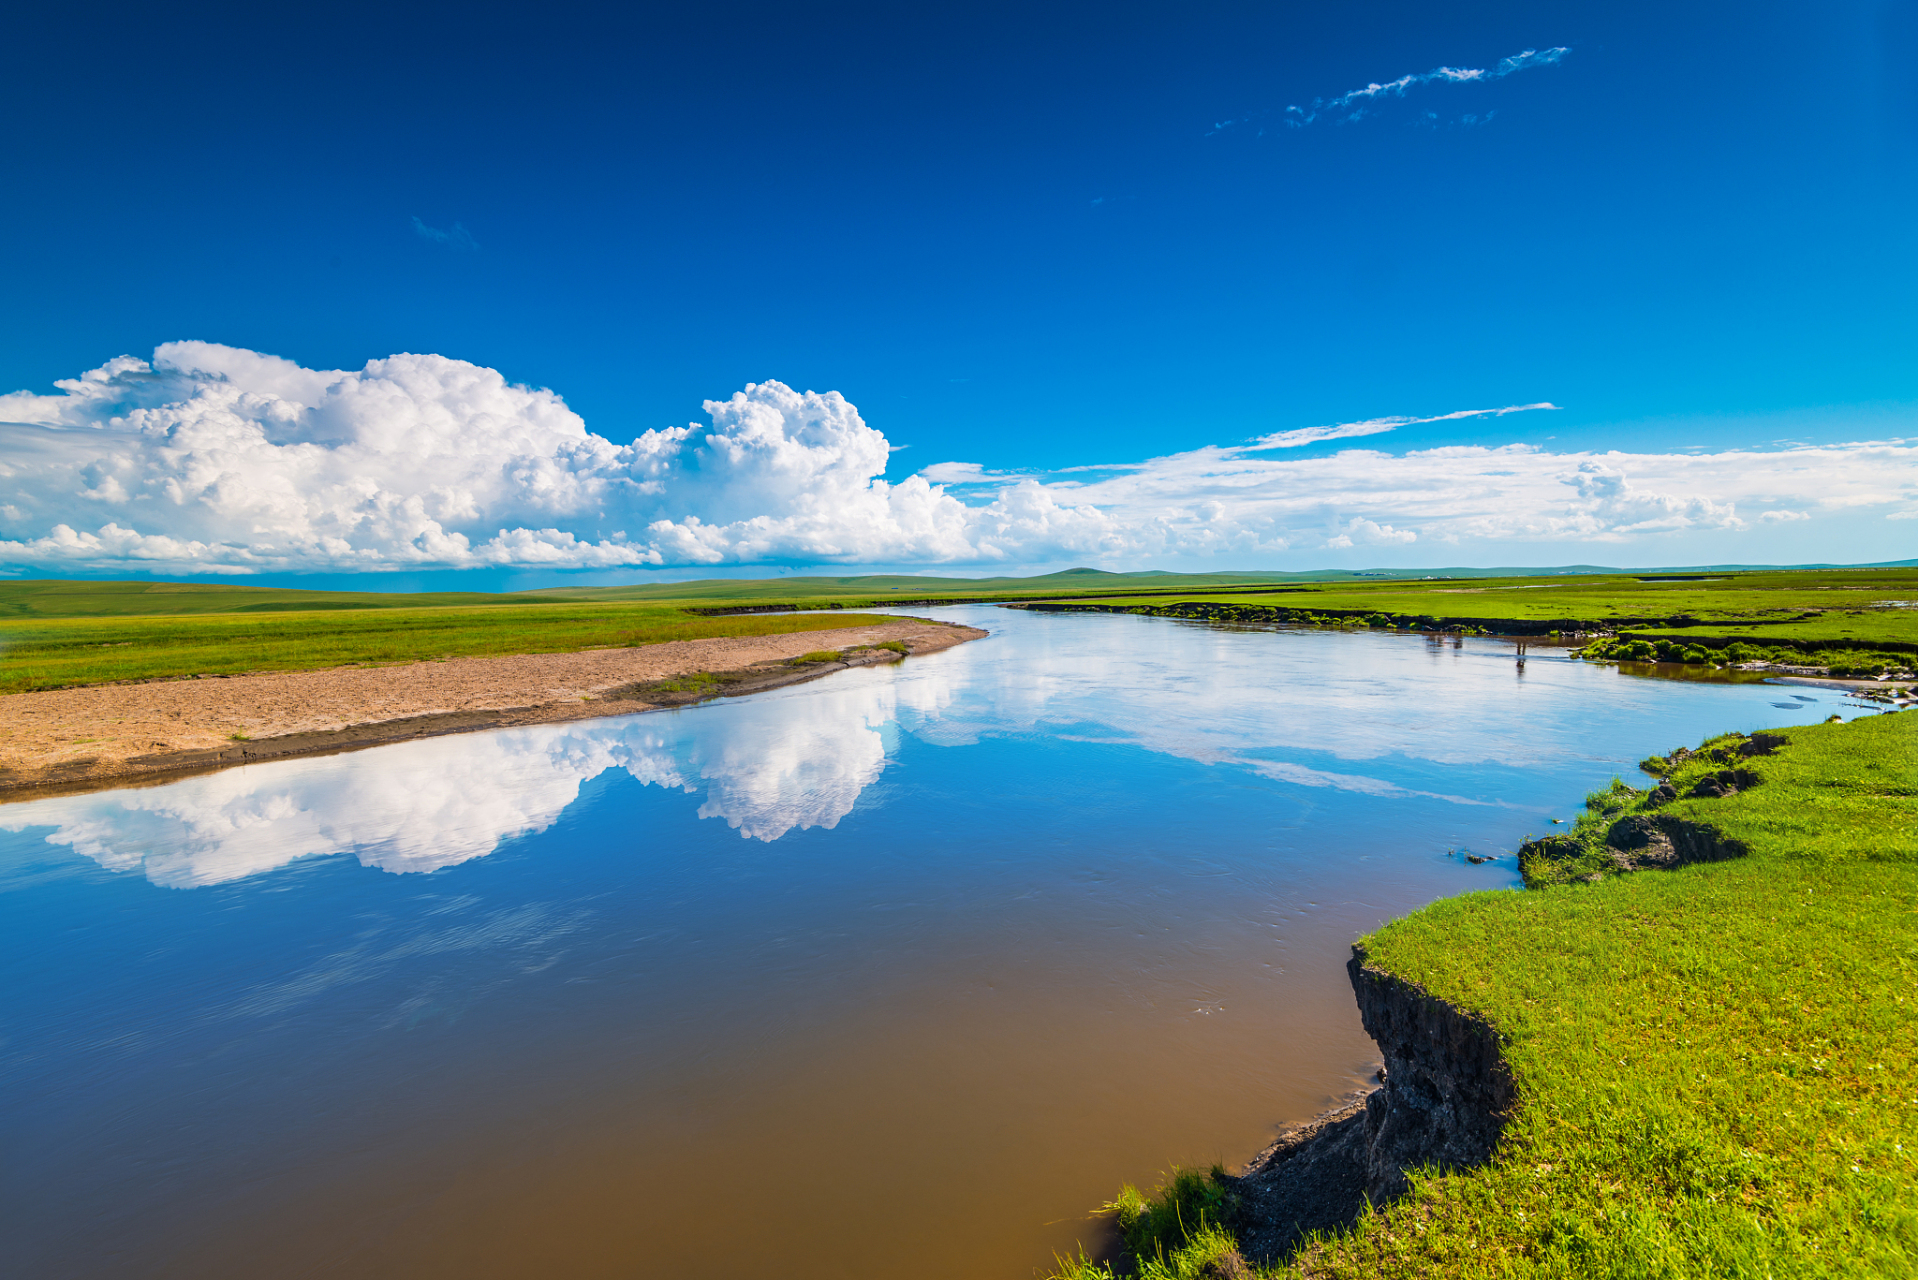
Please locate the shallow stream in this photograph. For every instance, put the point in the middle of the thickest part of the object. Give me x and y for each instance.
(897, 972)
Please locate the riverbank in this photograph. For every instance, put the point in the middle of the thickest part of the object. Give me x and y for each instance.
(1686, 1049)
(1880, 672)
(108, 733)
(1857, 611)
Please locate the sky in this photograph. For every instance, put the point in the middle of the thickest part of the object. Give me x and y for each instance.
(433, 295)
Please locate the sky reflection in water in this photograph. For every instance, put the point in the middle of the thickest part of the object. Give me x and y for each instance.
(1006, 925)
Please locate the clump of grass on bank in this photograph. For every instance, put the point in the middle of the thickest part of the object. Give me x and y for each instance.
(1179, 1232)
(698, 682)
(1580, 853)
(1841, 663)
(1715, 1065)
(817, 656)
(50, 653)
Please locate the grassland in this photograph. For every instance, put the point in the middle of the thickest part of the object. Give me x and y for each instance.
(1715, 1064)
(1857, 612)
(870, 589)
(1827, 603)
(55, 653)
(66, 598)
(59, 633)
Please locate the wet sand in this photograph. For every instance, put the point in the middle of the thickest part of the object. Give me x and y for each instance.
(64, 738)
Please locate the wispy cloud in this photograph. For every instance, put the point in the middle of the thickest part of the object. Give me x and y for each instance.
(1351, 104)
(1373, 426)
(457, 237)
(1447, 75)
(957, 473)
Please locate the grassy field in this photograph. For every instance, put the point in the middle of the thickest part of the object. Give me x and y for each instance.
(57, 634)
(1856, 608)
(1715, 1065)
(54, 653)
(1846, 601)
(60, 633)
(79, 599)
(871, 588)
(1740, 598)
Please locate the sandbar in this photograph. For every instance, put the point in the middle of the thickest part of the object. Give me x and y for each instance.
(73, 739)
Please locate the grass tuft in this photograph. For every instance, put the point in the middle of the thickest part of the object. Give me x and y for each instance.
(1179, 1232)
(697, 682)
(818, 656)
(1081, 1268)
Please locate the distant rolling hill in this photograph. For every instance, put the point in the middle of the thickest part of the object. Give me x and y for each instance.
(81, 598)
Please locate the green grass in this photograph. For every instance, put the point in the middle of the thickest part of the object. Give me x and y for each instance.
(55, 598)
(817, 656)
(1848, 607)
(52, 653)
(1177, 1232)
(869, 589)
(1751, 598)
(1717, 1066)
(59, 633)
(697, 682)
(873, 588)
(1682, 647)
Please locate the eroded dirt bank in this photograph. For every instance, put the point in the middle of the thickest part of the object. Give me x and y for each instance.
(1446, 1095)
(67, 737)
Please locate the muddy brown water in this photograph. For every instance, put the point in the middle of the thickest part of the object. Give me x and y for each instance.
(898, 972)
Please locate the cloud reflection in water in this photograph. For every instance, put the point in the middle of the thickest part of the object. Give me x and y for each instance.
(767, 765)
(1281, 707)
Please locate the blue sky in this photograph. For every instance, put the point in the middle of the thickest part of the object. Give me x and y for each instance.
(1012, 236)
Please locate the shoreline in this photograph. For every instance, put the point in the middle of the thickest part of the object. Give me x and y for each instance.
(171, 729)
(1490, 1129)
(1571, 632)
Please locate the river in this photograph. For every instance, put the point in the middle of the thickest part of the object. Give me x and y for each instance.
(896, 972)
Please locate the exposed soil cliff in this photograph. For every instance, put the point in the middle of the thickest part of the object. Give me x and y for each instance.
(1446, 1095)
(1664, 843)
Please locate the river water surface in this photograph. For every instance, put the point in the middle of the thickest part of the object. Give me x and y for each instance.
(893, 973)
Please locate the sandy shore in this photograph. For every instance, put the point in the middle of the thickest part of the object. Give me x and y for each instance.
(65, 737)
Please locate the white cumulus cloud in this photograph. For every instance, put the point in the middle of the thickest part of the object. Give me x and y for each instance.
(1369, 533)
(210, 459)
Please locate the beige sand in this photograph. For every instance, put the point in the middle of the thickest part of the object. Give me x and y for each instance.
(105, 731)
